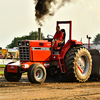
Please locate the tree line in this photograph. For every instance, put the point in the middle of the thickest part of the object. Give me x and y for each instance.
(97, 39)
(32, 36)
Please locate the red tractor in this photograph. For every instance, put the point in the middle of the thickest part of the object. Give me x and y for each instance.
(36, 58)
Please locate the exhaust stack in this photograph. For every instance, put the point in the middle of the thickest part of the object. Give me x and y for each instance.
(39, 33)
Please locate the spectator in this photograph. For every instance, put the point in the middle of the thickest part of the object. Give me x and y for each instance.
(9, 56)
(1, 56)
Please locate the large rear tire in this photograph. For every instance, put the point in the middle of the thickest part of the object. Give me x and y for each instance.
(78, 64)
(37, 73)
(12, 77)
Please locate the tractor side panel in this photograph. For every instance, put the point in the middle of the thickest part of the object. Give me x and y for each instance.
(41, 55)
(40, 50)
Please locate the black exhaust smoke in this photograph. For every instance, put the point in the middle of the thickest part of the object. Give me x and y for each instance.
(45, 8)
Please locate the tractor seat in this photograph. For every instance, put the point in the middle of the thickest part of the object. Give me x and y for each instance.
(63, 30)
(63, 42)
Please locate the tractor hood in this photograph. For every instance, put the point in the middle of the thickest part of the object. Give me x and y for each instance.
(34, 50)
(40, 43)
(34, 43)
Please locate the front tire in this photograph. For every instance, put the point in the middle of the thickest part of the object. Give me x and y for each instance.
(78, 64)
(12, 77)
(37, 73)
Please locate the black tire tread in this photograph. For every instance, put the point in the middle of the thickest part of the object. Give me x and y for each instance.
(9, 77)
(70, 63)
(31, 76)
(29, 72)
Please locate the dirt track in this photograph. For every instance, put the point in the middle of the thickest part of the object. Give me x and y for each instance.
(49, 90)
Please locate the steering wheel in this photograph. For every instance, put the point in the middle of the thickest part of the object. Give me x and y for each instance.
(49, 36)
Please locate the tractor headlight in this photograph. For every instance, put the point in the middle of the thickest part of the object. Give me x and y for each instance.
(26, 66)
(27, 43)
(54, 57)
(19, 43)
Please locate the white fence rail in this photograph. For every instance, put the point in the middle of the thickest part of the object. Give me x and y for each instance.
(6, 61)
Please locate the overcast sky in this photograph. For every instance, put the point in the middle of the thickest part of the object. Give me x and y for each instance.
(17, 19)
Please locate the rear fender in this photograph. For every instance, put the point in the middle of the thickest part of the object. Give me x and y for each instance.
(12, 69)
(68, 45)
(75, 42)
(65, 49)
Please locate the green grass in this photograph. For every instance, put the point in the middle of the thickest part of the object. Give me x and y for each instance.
(1, 72)
(25, 73)
(2, 65)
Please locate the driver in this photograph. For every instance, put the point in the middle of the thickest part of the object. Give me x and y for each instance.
(58, 38)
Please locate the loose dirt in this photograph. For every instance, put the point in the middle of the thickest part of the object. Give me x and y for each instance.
(49, 90)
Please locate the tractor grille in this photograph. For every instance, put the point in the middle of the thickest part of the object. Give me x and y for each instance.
(24, 53)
